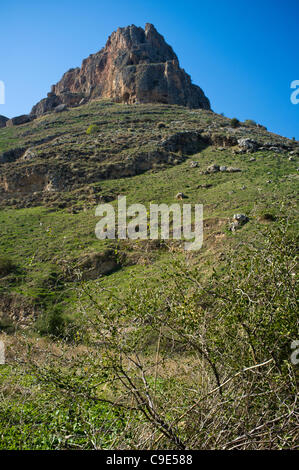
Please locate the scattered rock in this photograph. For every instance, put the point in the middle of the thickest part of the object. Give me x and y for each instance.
(29, 154)
(232, 169)
(161, 125)
(83, 101)
(213, 168)
(223, 168)
(252, 159)
(180, 196)
(135, 66)
(94, 265)
(248, 144)
(238, 221)
(60, 108)
(194, 165)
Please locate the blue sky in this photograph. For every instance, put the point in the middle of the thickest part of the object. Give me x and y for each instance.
(243, 54)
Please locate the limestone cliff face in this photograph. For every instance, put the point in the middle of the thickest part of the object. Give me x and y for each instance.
(135, 66)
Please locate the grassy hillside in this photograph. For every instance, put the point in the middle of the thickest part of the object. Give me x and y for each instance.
(156, 318)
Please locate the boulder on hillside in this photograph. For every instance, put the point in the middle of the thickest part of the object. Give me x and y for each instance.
(238, 221)
(213, 168)
(180, 196)
(248, 144)
(60, 108)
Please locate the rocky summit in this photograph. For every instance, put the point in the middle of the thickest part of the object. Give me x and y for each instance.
(135, 66)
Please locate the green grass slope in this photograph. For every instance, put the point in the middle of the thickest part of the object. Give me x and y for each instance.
(46, 236)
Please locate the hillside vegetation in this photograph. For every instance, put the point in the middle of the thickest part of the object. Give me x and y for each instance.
(138, 344)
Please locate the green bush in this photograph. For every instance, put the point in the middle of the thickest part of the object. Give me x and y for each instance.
(92, 129)
(6, 266)
(250, 122)
(234, 331)
(235, 122)
(52, 323)
(6, 324)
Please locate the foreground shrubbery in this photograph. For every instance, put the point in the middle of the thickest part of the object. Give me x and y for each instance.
(190, 364)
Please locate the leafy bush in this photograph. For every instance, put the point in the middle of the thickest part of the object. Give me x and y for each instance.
(92, 129)
(232, 333)
(235, 122)
(6, 324)
(6, 266)
(52, 323)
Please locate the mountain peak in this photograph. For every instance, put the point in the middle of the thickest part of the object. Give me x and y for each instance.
(135, 66)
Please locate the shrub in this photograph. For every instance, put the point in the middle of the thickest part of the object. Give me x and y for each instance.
(6, 266)
(250, 122)
(235, 122)
(233, 333)
(52, 323)
(92, 129)
(6, 325)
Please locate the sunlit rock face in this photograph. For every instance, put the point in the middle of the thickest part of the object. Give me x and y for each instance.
(135, 66)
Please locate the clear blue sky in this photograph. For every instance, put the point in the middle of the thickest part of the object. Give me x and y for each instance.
(244, 54)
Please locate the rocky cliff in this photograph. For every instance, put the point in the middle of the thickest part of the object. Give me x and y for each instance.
(135, 66)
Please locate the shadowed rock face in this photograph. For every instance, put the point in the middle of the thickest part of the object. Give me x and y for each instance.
(3, 121)
(135, 66)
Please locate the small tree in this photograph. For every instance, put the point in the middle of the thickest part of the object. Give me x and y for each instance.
(235, 122)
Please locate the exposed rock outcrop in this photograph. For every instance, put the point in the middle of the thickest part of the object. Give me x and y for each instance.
(3, 121)
(135, 66)
(16, 121)
(238, 221)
